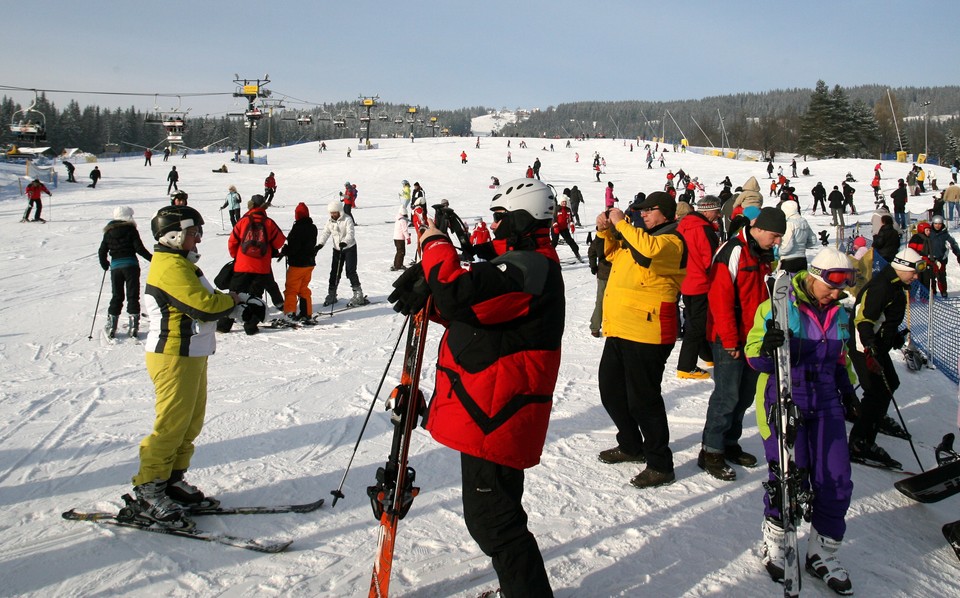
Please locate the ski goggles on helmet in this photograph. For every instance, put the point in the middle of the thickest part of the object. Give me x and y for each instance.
(836, 278)
(919, 265)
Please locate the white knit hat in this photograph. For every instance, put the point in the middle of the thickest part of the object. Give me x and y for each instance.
(123, 213)
(334, 206)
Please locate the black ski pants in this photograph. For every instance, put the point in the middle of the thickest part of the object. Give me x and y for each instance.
(348, 267)
(30, 204)
(877, 393)
(125, 281)
(493, 512)
(694, 333)
(630, 377)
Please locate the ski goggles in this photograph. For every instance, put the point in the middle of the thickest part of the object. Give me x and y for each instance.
(919, 265)
(836, 278)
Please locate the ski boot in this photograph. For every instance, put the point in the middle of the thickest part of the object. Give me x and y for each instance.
(155, 506)
(187, 495)
(822, 562)
(872, 455)
(771, 553)
(111, 326)
(891, 427)
(358, 298)
(133, 325)
(330, 299)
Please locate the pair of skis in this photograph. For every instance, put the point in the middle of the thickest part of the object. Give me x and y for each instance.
(937, 484)
(127, 518)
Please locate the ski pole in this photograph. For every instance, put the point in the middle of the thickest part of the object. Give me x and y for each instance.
(883, 376)
(222, 226)
(343, 258)
(338, 493)
(97, 308)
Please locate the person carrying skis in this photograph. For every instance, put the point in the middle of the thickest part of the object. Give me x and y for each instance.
(33, 191)
(344, 256)
(122, 243)
(496, 368)
(878, 313)
(301, 253)
(232, 202)
(182, 306)
(822, 391)
(737, 287)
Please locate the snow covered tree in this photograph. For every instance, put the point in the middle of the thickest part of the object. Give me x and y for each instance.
(818, 126)
(863, 129)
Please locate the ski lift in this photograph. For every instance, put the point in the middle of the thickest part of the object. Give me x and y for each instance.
(173, 122)
(304, 119)
(153, 118)
(29, 124)
(253, 113)
(351, 114)
(364, 118)
(324, 115)
(339, 120)
(383, 116)
(399, 119)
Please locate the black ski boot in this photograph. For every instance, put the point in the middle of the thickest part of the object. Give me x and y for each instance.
(891, 427)
(872, 455)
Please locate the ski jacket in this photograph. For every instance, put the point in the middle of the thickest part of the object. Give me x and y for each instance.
(275, 240)
(835, 201)
(886, 243)
(340, 231)
(233, 201)
(879, 310)
(576, 196)
(95, 174)
(820, 369)
(798, 237)
(564, 220)
(270, 183)
(480, 235)
(301, 248)
(401, 229)
(33, 190)
(951, 194)
(182, 305)
(647, 268)
(173, 176)
(595, 257)
(122, 242)
(609, 198)
(350, 196)
(899, 197)
(819, 192)
(419, 218)
(737, 287)
(498, 359)
(940, 241)
(702, 242)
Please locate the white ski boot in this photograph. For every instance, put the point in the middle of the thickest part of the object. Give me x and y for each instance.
(772, 551)
(156, 506)
(358, 298)
(822, 562)
(133, 326)
(111, 326)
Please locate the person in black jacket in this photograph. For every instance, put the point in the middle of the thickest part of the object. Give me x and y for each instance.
(121, 241)
(94, 176)
(899, 197)
(886, 242)
(836, 206)
(173, 178)
(819, 197)
(300, 252)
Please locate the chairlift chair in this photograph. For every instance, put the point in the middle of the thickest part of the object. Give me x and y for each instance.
(399, 119)
(304, 119)
(383, 116)
(29, 124)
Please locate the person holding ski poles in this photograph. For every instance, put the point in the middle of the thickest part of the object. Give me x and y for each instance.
(497, 367)
(822, 391)
(344, 257)
(33, 191)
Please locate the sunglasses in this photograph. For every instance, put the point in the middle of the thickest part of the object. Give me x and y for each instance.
(836, 278)
(919, 265)
(197, 233)
(645, 210)
(498, 216)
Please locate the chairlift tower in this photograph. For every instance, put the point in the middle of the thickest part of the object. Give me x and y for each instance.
(367, 104)
(434, 125)
(252, 90)
(412, 117)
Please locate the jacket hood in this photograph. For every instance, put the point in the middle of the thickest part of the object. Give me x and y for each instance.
(790, 208)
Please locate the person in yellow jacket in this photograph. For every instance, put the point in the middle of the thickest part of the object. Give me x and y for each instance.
(183, 308)
(640, 322)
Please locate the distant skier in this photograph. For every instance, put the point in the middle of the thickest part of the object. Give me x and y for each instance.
(232, 202)
(122, 244)
(172, 178)
(94, 177)
(33, 191)
(269, 190)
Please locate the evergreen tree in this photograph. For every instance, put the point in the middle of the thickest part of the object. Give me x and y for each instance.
(816, 136)
(865, 132)
(952, 149)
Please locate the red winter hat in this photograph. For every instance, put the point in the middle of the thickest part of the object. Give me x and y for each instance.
(301, 211)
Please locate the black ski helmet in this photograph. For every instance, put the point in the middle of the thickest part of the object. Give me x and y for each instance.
(174, 219)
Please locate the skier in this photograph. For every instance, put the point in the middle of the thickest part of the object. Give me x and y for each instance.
(899, 197)
(70, 170)
(940, 241)
(344, 255)
(951, 197)
(300, 252)
(401, 238)
(879, 310)
(609, 199)
(147, 156)
(640, 326)
(172, 178)
(480, 234)
(122, 242)
(522, 335)
(232, 201)
(349, 198)
(33, 191)
(182, 306)
(95, 177)
(536, 168)
(405, 194)
(563, 226)
(793, 167)
(835, 201)
(737, 287)
(269, 190)
(796, 240)
(770, 169)
(252, 244)
(463, 157)
(576, 198)
(822, 392)
(819, 197)
(699, 231)
(848, 192)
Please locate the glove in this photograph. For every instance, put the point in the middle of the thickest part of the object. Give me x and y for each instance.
(281, 253)
(105, 266)
(773, 339)
(900, 338)
(851, 407)
(343, 246)
(411, 291)
(594, 270)
(254, 310)
(872, 364)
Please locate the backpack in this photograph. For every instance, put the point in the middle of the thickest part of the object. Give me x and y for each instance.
(254, 241)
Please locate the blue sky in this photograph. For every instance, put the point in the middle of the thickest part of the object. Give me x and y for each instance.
(451, 54)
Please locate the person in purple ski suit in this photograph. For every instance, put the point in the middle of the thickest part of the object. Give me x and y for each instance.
(821, 373)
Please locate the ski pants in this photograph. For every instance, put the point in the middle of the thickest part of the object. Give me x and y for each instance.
(629, 378)
(298, 285)
(694, 334)
(822, 202)
(401, 247)
(234, 216)
(837, 214)
(734, 390)
(821, 450)
(494, 515)
(125, 281)
(597, 317)
(349, 266)
(181, 385)
(877, 393)
(568, 239)
(30, 204)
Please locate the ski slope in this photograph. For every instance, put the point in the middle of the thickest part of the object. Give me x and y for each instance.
(286, 407)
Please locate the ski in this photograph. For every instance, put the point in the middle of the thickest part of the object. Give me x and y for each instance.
(346, 308)
(938, 483)
(951, 531)
(105, 518)
(282, 323)
(786, 491)
(394, 491)
(256, 510)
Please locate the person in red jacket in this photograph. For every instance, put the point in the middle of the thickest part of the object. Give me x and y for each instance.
(737, 287)
(33, 191)
(348, 197)
(562, 227)
(497, 368)
(699, 231)
(480, 234)
(269, 190)
(255, 240)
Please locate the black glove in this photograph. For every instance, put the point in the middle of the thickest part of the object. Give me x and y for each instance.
(281, 253)
(594, 270)
(872, 364)
(105, 266)
(317, 249)
(343, 246)
(411, 291)
(254, 310)
(773, 339)
(851, 407)
(900, 338)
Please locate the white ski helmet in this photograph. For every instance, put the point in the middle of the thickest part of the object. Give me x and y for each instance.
(906, 260)
(526, 195)
(334, 206)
